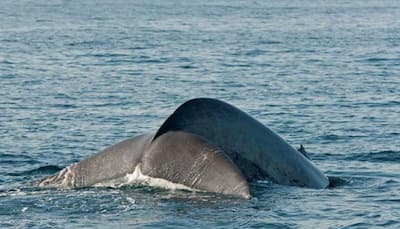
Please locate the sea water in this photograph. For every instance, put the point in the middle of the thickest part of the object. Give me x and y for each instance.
(78, 76)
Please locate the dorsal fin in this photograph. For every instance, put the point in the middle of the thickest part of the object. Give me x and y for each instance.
(303, 151)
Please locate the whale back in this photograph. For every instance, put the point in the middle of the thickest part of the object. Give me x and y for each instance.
(188, 159)
(248, 143)
(111, 163)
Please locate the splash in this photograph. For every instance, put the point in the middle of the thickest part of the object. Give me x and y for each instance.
(138, 178)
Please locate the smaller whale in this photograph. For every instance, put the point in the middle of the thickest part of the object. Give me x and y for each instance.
(205, 145)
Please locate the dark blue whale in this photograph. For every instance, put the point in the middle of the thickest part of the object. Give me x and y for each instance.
(207, 145)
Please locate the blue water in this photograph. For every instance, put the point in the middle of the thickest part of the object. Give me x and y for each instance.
(78, 76)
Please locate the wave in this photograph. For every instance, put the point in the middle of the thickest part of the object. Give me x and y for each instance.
(47, 169)
(380, 59)
(380, 156)
(335, 181)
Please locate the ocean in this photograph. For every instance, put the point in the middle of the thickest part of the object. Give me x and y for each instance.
(79, 76)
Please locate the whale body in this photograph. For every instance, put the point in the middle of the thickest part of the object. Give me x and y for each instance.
(207, 145)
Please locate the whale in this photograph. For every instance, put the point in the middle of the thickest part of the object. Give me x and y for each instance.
(207, 145)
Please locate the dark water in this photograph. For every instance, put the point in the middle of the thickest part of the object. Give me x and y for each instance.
(77, 76)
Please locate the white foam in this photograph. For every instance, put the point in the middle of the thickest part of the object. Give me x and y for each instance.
(63, 179)
(137, 177)
(16, 192)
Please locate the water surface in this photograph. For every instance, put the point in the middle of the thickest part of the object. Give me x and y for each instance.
(76, 77)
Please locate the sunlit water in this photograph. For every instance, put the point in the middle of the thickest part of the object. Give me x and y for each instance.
(77, 76)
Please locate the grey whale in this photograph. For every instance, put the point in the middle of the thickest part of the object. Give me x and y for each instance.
(207, 145)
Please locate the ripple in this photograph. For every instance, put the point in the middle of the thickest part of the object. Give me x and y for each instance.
(386, 156)
(77, 76)
(47, 169)
(381, 59)
(381, 156)
(335, 182)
